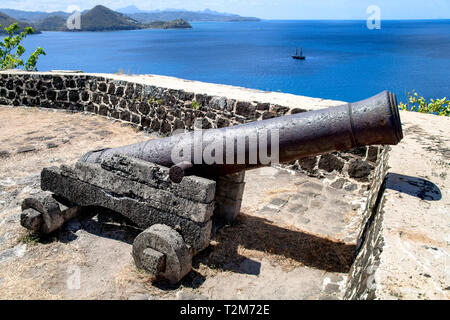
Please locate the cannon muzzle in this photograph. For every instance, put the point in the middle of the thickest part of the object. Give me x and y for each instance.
(374, 121)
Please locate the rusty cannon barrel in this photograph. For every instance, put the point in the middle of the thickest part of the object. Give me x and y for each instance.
(212, 152)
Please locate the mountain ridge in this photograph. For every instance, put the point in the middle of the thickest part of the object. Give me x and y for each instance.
(99, 18)
(206, 15)
(143, 16)
(191, 16)
(33, 16)
(6, 21)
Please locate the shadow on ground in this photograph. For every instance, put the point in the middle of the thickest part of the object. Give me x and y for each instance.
(414, 186)
(246, 233)
(254, 233)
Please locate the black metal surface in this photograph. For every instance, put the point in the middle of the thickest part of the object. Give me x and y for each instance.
(374, 121)
(178, 171)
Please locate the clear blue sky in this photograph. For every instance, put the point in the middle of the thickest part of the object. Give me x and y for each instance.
(266, 9)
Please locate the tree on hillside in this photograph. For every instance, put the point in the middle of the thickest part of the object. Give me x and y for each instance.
(11, 50)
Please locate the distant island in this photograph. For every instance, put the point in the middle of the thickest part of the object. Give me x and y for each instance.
(99, 18)
(206, 15)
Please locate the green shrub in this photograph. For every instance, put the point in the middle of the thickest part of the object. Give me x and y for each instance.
(11, 50)
(420, 104)
(152, 100)
(29, 238)
(195, 105)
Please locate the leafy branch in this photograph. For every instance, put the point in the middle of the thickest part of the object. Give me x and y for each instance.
(11, 50)
(420, 104)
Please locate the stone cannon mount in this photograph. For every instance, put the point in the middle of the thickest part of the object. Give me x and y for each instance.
(177, 219)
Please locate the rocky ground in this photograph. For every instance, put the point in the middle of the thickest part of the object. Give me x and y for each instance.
(294, 239)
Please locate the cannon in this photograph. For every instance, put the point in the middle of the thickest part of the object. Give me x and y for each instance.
(180, 189)
(368, 122)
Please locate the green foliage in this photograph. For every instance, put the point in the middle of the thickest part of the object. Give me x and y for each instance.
(29, 238)
(195, 105)
(152, 100)
(420, 104)
(11, 50)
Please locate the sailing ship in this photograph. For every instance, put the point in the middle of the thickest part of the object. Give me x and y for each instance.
(297, 56)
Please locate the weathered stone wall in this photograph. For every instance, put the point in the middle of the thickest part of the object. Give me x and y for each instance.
(162, 110)
(360, 283)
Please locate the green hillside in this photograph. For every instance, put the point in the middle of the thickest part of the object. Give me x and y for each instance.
(101, 18)
(33, 16)
(53, 23)
(6, 21)
(175, 24)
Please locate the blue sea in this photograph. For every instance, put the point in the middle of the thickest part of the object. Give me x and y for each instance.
(345, 60)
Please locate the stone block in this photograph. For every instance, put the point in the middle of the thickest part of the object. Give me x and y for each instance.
(31, 219)
(197, 235)
(45, 214)
(228, 197)
(359, 170)
(234, 177)
(230, 190)
(330, 162)
(245, 109)
(227, 209)
(218, 103)
(192, 187)
(372, 153)
(308, 164)
(166, 201)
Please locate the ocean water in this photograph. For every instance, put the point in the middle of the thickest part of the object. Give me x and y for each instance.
(345, 60)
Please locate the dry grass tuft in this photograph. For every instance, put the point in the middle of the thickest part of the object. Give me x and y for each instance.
(131, 275)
